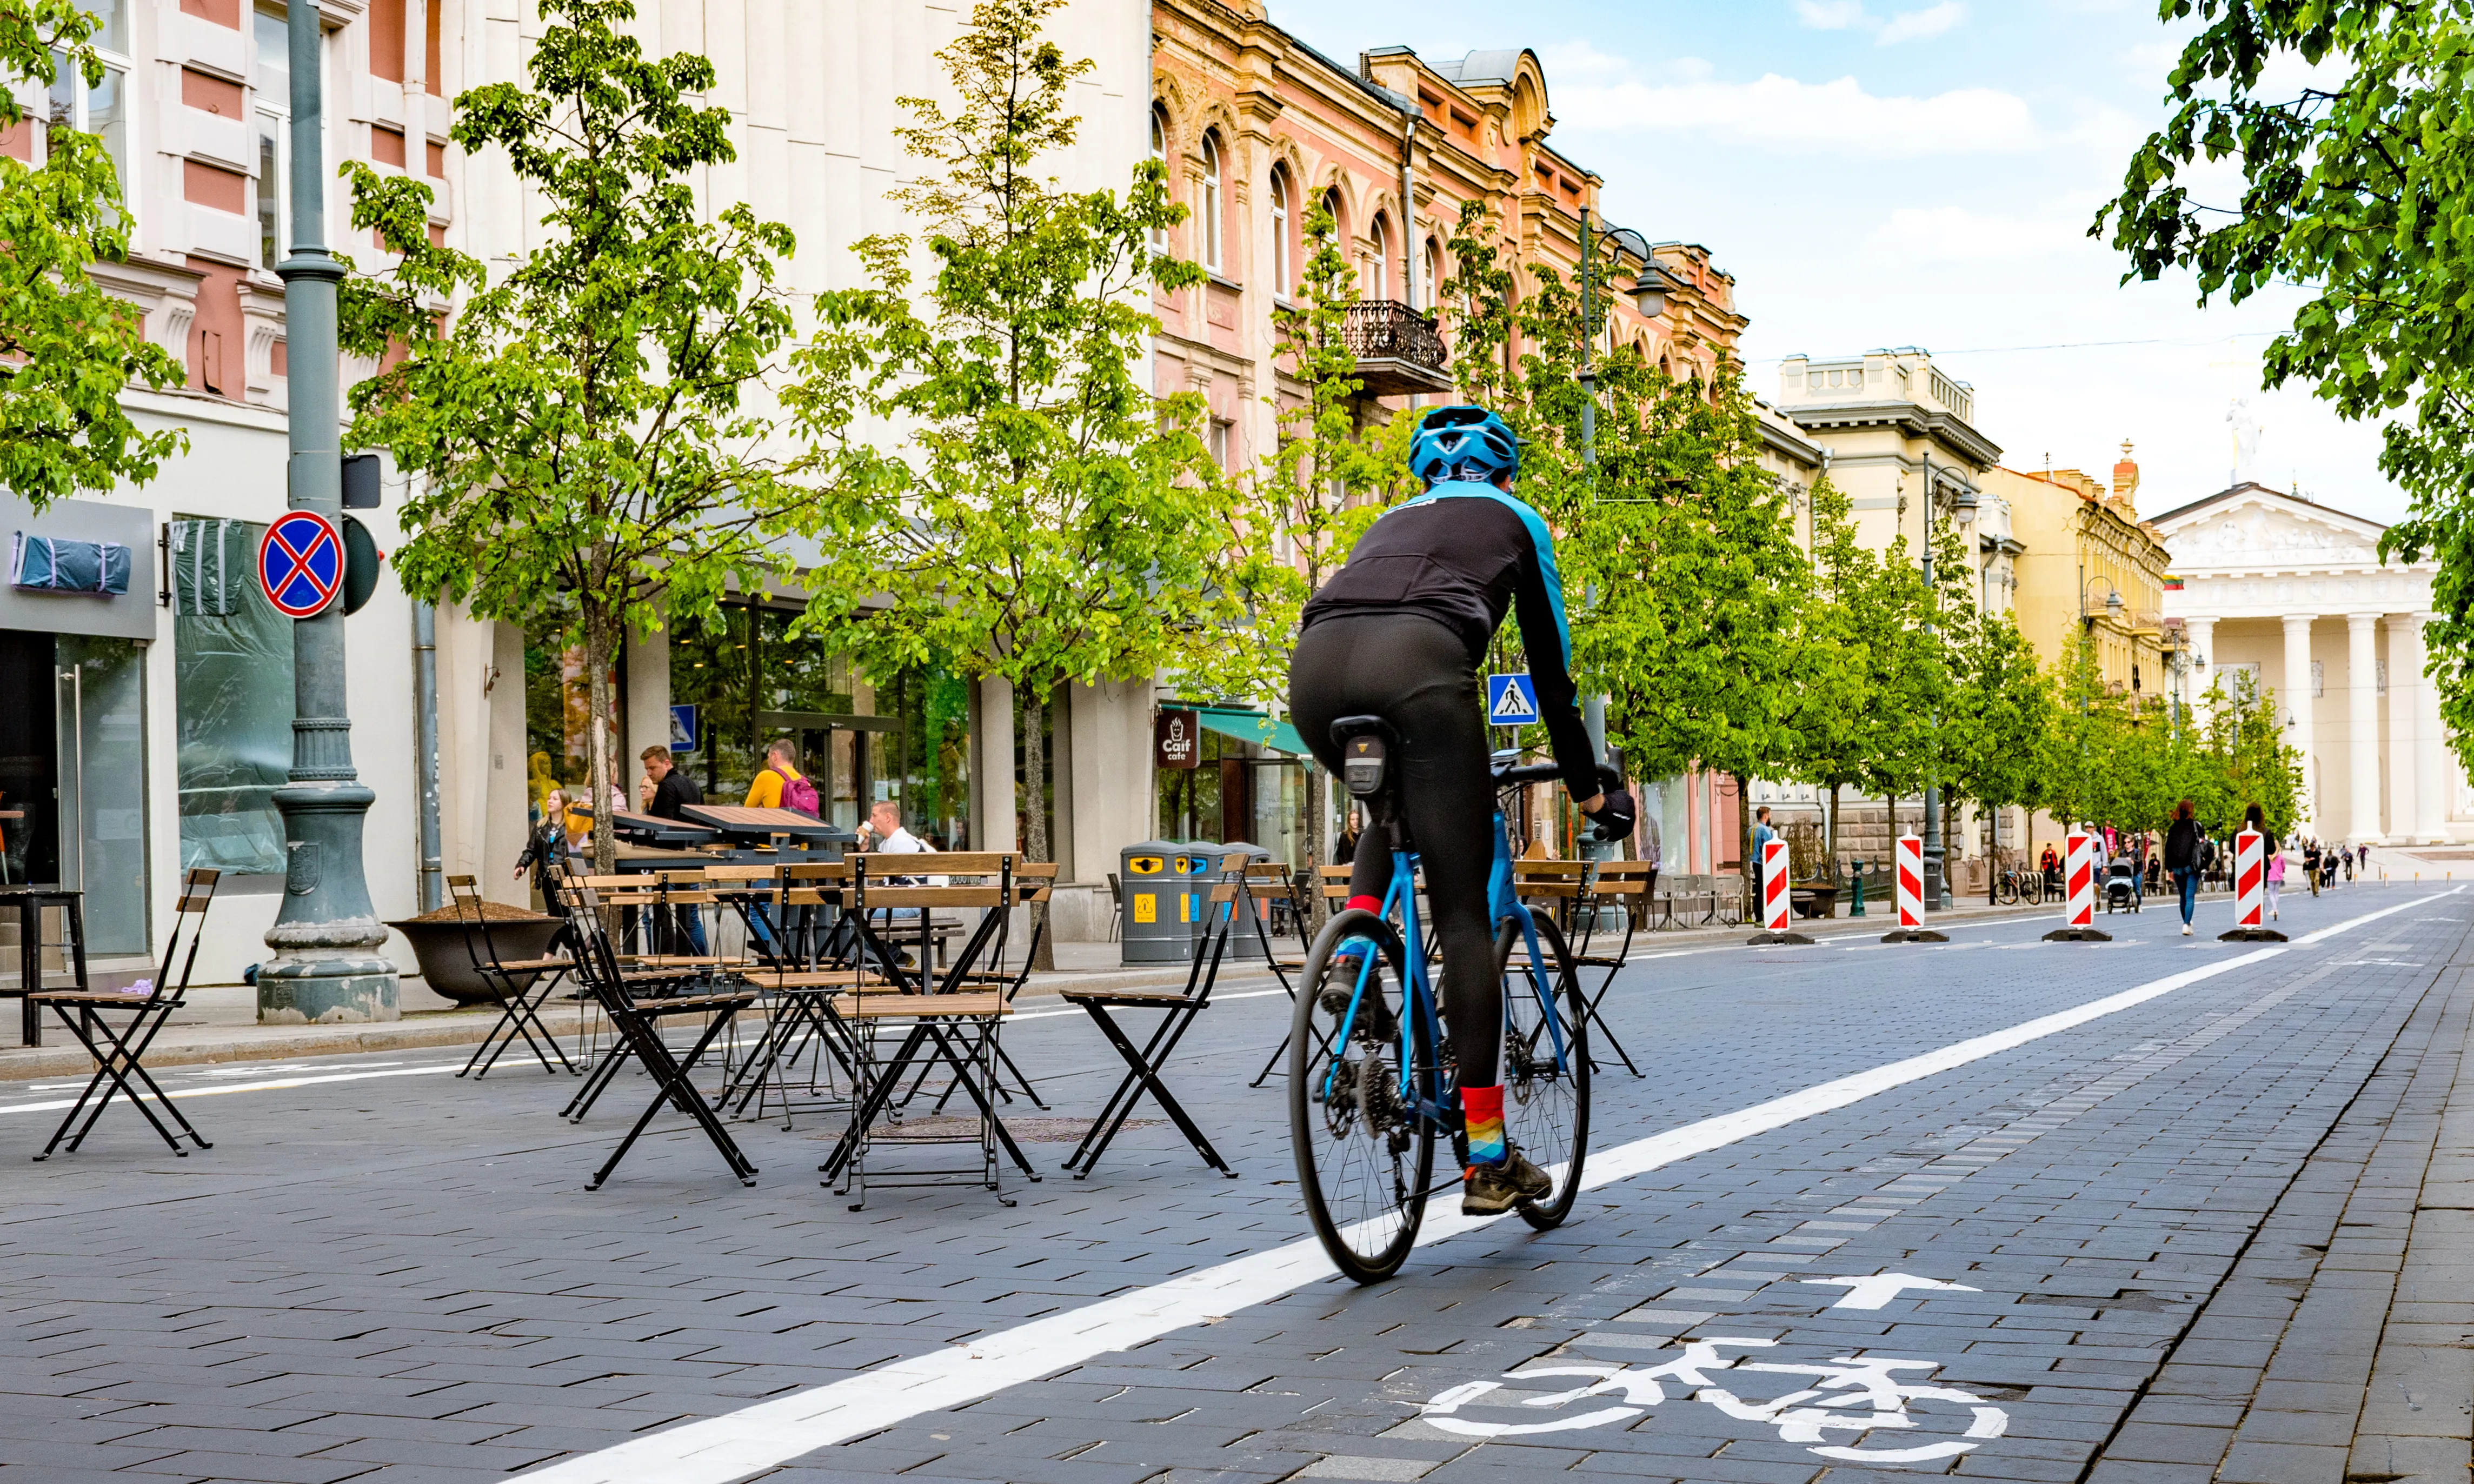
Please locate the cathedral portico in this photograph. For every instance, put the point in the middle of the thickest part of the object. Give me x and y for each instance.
(2294, 595)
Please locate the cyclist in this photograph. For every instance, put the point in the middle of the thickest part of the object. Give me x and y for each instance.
(1400, 632)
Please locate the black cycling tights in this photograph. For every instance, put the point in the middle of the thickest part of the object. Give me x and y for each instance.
(1415, 674)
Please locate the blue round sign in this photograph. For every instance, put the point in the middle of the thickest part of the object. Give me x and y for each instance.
(301, 564)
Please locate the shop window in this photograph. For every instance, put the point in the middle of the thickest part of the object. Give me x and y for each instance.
(232, 689)
(558, 708)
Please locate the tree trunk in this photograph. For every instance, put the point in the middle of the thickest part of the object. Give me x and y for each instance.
(1834, 832)
(1031, 724)
(600, 651)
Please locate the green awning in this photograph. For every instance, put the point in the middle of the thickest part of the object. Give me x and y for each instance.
(1252, 726)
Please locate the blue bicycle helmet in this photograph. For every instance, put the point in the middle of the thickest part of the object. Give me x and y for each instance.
(1463, 443)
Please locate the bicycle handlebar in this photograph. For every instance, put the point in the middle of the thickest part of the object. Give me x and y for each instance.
(1508, 774)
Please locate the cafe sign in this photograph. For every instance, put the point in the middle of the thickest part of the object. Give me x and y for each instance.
(1177, 738)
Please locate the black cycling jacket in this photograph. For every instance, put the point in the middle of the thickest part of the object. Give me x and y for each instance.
(1464, 553)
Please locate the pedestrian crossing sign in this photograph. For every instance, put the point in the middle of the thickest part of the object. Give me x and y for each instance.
(1510, 700)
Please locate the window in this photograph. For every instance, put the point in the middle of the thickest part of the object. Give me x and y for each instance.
(274, 84)
(1211, 201)
(1279, 232)
(1159, 155)
(1380, 280)
(1434, 273)
(1220, 442)
(102, 110)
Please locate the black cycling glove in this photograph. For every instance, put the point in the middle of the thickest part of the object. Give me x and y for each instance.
(1616, 816)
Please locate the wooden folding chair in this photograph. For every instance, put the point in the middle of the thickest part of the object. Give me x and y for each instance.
(120, 1052)
(1331, 884)
(649, 983)
(521, 986)
(941, 1020)
(1143, 1065)
(1625, 885)
(799, 997)
(640, 1026)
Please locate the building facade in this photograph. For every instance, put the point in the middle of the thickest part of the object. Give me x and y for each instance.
(2090, 566)
(174, 697)
(2292, 594)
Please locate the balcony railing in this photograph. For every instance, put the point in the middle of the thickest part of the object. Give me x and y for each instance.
(1399, 350)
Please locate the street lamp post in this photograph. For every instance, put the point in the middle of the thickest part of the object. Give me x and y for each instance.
(1649, 295)
(327, 937)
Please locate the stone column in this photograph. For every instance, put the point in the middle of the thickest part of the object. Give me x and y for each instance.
(2202, 634)
(2405, 686)
(2362, 725)
(996, 824)
(2296, 695)
(2435, 777)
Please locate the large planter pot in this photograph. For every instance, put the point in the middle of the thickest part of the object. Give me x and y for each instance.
(447, 963)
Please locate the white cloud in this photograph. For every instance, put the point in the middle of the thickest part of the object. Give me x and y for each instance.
(1596, 90)
(1832, 15)
(1922, 25)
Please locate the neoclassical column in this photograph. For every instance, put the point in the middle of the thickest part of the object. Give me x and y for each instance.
(2202, 634)
(2295, 694)
(2405, 684)
(2434, 778)
(2362, 725)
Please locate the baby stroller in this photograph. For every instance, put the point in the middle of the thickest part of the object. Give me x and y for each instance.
(2122, 888)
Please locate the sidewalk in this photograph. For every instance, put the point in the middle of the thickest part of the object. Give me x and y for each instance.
(2337, 1350)
(221, 1021)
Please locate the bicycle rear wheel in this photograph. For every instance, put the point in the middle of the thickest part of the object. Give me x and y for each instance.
(1545, 1066)
(1364, 1155)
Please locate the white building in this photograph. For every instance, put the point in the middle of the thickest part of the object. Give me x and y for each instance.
(2295, 593)
(157, 720)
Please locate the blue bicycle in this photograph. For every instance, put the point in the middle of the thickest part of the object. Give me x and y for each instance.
(1371, 1082)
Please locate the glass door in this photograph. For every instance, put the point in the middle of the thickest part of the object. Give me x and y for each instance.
(99, 694)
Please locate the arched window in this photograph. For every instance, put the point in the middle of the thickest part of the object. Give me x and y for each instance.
(1434, 273)
(1159, 154)
(1211, 200)
(1280, 231)
(1379, 281)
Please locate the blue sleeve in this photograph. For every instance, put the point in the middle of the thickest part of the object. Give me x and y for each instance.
(1547, 638)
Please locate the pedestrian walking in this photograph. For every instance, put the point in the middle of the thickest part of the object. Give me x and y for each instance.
(2311, 864)
(547, 844)
(2274, 876)
(2349, 863)
(2363, 858)
(781, 784)
(1763, 833)
(2182, 859)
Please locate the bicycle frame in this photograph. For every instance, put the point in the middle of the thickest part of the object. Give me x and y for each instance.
(1418, 991)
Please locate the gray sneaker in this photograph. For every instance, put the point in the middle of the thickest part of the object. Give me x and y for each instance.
(1492, 1189)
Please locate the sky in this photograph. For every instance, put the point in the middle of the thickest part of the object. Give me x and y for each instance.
(1883, 173)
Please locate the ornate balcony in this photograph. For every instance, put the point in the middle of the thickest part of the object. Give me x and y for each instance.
(1399, 352)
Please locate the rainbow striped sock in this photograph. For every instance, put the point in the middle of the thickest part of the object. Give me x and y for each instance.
(1481, 1109)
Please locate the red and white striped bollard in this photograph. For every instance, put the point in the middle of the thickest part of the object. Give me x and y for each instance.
(1911, 881)
(1774, 885)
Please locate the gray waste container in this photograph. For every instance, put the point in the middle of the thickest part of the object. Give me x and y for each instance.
(1243, 941)
(1160, 899)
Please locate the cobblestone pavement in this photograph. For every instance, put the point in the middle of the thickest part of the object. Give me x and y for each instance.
(2169, 1243)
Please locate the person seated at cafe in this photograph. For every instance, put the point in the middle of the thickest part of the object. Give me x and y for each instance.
(660, 793)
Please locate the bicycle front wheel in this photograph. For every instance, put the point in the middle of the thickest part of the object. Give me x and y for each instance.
(1365, 1155)
(1545, 1061)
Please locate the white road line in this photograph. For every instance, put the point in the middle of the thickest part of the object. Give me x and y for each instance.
(183, 1094)
(720, 1449)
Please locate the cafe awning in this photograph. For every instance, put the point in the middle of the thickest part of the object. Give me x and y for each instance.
(1252, 726)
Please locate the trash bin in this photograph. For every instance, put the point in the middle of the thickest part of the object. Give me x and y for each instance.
(1243, 941)
(1157, 882)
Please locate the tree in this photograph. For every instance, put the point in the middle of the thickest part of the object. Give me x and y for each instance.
(2077, 758)
(2251, 761)
(1680, 563)
(578, 428)
(1328, 480)
(1050, 519)
(2001, 709)
(67, 348)
(2355, 184)
(1830, 709)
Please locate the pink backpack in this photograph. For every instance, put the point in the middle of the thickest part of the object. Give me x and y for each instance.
(799, 796)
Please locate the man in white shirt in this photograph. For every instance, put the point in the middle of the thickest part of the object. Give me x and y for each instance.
(884, 834)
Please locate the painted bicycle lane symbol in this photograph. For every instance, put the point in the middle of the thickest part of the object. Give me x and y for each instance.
(1850, 1393)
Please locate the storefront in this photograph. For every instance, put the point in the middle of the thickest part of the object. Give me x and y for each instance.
(1249, 784)
(75, 619)
(747, 681)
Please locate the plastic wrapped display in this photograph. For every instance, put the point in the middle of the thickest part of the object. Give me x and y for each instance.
(54, 564)
(234, 686)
